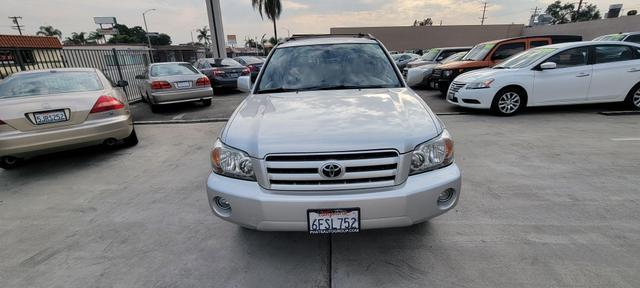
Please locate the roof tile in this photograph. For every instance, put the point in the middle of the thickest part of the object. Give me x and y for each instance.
(20, 41)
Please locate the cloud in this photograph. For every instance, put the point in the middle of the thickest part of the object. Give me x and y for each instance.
(287, 4)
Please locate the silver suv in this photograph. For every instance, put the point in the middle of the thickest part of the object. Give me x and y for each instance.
(331, 140)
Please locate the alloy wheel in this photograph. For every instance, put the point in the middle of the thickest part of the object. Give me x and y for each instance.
(509, 102)
(636, 98)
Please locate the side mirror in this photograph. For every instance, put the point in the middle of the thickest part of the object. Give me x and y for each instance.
(548, 66)
(244, 83)
(140, 77)
(122, 83)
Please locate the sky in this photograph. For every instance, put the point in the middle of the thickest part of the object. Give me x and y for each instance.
(179, 17)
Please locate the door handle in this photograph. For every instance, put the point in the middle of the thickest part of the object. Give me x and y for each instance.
(583, 75)
(634, 70)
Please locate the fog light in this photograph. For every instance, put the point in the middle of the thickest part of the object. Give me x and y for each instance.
(446, 196)
(222, 203)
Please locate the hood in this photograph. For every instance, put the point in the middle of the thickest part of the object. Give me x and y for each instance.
(419, 63)
(331, 121)
(464, 65)
(482, 74)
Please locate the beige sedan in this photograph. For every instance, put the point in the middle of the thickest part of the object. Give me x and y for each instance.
(58, 109)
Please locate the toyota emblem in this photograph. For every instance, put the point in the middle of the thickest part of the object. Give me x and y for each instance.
(331, 170)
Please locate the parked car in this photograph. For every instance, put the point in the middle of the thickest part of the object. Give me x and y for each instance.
(174, 82)
(253, 63)
(223, 73)
(569, 73)
(359, 150)
(435, 55)
(421, 75)
(403, 59)
(624, 37)
(44, 111)
(490, 53)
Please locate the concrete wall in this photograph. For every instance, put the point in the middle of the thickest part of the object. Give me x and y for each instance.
(401, 38)
(588, 30)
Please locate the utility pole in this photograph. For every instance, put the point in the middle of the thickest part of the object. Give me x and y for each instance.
(484, 12)
(578, 11)
(533, 17)
(15, 21)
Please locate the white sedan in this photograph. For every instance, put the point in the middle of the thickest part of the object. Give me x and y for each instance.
(567, 73)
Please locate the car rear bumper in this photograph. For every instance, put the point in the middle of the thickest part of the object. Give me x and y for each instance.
(412, 202)
(181, 95)
(31, 143)
(225, 83)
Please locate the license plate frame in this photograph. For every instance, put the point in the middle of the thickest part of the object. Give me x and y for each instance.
(330, 217)
(183, 84)
(50, 117)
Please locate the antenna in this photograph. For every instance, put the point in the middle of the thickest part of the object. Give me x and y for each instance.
(484, 12)
(15, 21)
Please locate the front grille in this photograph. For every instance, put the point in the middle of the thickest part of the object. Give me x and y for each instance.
(456, 86)
(369, 169)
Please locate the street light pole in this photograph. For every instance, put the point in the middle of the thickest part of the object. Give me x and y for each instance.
(147, 30)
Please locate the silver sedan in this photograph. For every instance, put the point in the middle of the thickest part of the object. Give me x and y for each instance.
(174, 82)
(57, 109)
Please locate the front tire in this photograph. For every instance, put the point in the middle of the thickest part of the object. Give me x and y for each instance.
(206, 102)
(633, 99)
(509, 102)
(9, 162)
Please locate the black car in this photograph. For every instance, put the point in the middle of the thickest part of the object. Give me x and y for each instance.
(253, 63)
(222, 72)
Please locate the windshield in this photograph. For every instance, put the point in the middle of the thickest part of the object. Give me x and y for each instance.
(454, 57)
(479, 52)
(524, 59)
(46, 83)
(431, 55)
(612, 37)
(226, 62)
(172, 70)
(252, 60)
(324, 67)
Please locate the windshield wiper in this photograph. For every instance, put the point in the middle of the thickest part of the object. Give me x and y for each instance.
(342, 87)
(501, 67)
(277, 90)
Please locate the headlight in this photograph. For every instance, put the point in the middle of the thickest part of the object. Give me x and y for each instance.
(434, 154)
(231, 162)
(480, 85)
(447, 73)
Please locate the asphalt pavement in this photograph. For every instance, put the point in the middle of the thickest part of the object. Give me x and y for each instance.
(549, 199)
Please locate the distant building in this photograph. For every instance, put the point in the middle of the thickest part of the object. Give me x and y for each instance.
(20, 53)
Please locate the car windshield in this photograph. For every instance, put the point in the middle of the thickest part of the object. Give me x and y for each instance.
(524, 59)
(479, 52)
(454, 57)
(431, 55)
(226, 62)
(252, 60)
(45, 83)
(612, 37)
(172, 70)
(326, 67)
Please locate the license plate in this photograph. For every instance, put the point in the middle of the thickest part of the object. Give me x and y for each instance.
(329, 221)
(184, 84)
(50, 117)
(233, 74)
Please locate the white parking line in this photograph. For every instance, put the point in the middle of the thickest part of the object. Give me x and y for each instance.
(178, 117)
(625, 139)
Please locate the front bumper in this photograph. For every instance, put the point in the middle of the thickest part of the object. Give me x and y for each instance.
(412, 202)
(472, 98)
(181, 95)
(31, 143)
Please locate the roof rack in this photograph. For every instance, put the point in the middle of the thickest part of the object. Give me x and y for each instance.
(306, 36)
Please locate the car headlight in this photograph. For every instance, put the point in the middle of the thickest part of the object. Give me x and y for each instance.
(434, 154)
(481, 84)
(447, 73)
(231, 162)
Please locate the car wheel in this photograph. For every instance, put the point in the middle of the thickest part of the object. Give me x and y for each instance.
(131, 140)
(508, 102)
(9, 162)
(206, 102)
(633, 99)
(142, 98)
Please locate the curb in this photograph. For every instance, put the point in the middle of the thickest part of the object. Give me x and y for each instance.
(619, 113)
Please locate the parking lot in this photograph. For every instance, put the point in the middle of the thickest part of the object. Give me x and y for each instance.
(550, 199)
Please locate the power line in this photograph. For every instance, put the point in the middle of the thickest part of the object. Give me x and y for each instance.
(484, 12)
(15, 21)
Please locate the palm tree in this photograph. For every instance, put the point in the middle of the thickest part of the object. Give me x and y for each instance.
(203, 35)
(77, 38)
(273, 9)
(49, 31)
(95, 37)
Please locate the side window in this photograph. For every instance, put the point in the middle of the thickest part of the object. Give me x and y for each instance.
(570, 58)
(613, 53)
(633, 38)
(446, 54)
(538, 43)
(505, 51)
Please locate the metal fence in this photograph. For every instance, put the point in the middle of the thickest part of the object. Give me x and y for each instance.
(116, 64)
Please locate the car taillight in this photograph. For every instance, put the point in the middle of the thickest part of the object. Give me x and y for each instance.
(159, 85)
(106, 103)
(204, 81)
(252, 68)
(246, 71)
(217, 72)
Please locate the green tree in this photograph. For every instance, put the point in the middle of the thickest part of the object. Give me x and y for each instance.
(566, 12)
(203, 35)
(94, 36)
(272, 8)
(588, 13)
(49, 31)
(76, 38)
(425, 22)
(136, 34)
(160, 40)
(632, 13)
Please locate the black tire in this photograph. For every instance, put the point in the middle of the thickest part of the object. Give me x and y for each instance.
(9, 162)
(633, 98)
(509, 101)
(155, 108)
(206, 102)
(131, 140)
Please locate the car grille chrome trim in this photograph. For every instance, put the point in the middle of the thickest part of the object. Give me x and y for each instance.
(361, 170)
(456, 86)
